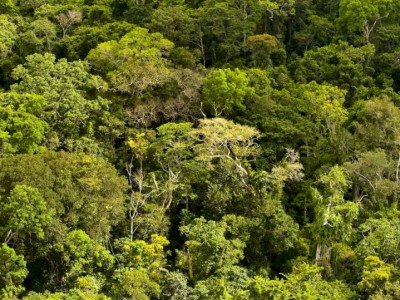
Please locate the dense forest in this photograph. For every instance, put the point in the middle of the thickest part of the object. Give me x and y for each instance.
(199, 149)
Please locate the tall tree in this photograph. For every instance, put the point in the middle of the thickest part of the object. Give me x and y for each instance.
(366, 15)
(135, 63)
(75, 118)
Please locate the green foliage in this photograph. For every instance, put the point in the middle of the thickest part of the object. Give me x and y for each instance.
(230, 283)
(135, 284)
(22, 127)
(7, 6)
(203, 149)
(208, 249)
(86, 38)
(139, 254)
(364, 15)
(40, 36)
(225, 26)
(220, 138)
(72, 295)
(339, 64)
(82, 256)
(319, 32)
(375, 274)
(334, 216)
(74, 119)
(84, 192)
(378, 231)
(373, 178)
(24, 213)
(261, 47)
(8, 36)
(225, 91)
(175, 286)
(141, 268)
(135, 63)
(376, 125)
(324, 107)
(12, 272)
(304, 282)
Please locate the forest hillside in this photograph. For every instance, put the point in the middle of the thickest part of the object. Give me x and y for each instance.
(199, 149)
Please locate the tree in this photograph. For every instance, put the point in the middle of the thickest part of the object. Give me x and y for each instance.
(377, 126)
(377, 231)
(135, 63)
(136, 284)
(278, 7)
(222, 139)
(141, 255)
(324, 106)
(333, 215)
(209, 248)
(155, 190)
(165, 171)
(172, 21)
(85, 38)
(375, 274)
(365, 15)
(309, 117)
(8, 36)
(375, 179)
(261, 47)
(84, 192)
(192, 31)
(82, 256)
(304, 282)
(76, 293)
(142, 268)
(175, 286)
(7, 6)
(318, 33)
(75, 118)
(32, 4)
(225, 26)
(25, 214)
(12, 272)
(134, 11)
(225, 91)
(202, 149)
(138, 197)
(39, 37)
(229, 283)
(21, 127)
(338, 64)
(68, 19)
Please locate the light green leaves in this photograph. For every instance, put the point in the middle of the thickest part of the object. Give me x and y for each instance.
(134, 63)
(375, 274)
(25, 213)
(8, 36)
(83, 256)
(12, 272)
(364, 15)
(21, 125)
(333, 215)
(73, 114)
(209, 248)
(304, 282)
(225, 91)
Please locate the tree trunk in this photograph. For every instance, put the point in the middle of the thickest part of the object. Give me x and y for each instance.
(189, 261)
